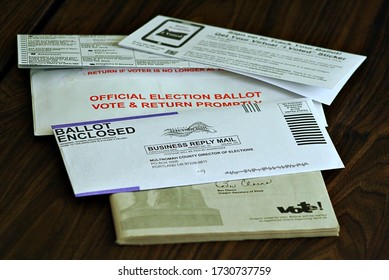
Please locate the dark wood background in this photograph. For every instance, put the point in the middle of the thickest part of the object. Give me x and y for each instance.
(41, 219)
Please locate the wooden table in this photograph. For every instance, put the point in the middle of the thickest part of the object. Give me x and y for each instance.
(41, 219)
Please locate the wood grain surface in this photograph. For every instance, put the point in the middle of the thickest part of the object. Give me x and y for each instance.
(41, 219)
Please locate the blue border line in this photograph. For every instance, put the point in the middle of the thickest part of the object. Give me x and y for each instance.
(114, 120)
(131, 189)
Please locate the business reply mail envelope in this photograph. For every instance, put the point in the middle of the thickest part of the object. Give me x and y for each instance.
(172, 149)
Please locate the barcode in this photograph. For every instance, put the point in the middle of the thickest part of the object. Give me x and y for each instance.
(171, 52)
(305, 129)
(23, 49)
(251, 107)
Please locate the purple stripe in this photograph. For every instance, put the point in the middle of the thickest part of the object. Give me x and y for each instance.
(114, 120)
(132, 189)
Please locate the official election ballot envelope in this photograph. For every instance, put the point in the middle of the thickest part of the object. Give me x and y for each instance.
(193, 147)
(75, 95)
(315, 72)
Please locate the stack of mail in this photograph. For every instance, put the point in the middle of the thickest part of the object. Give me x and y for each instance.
(199, 133)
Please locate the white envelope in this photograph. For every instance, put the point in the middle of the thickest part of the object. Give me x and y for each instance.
(74, 95)
(192, 147)
(300, 68)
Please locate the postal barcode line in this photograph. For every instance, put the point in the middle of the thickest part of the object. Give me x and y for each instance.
(251, 107)
(305, 129)
(298, 115)
(305, 133)
(23, 49)
(303, 124)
